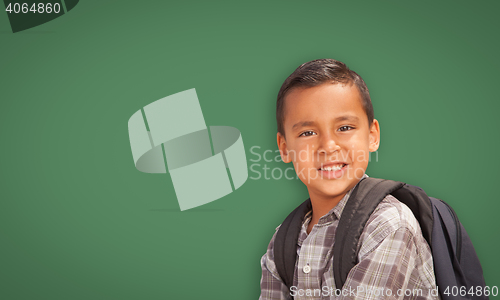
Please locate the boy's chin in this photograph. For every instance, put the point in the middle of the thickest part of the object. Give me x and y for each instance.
(329, 190)
(333, 189)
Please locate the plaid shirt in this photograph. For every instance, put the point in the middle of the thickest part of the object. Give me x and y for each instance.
(395, 261)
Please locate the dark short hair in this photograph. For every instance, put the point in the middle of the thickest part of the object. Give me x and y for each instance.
(317, 72)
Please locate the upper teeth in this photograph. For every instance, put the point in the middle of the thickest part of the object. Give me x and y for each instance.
(334, 168)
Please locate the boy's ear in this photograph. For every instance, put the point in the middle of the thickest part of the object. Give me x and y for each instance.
(374, 136)
(283, 149)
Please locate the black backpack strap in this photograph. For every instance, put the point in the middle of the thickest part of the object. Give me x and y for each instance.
(364, 199)
(285, 243)
(418, 201)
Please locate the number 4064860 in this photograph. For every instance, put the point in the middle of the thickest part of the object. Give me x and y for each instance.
(39, 8)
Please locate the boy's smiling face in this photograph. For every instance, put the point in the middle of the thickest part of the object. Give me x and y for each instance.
(328, 138)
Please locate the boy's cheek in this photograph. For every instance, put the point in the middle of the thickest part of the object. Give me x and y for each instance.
(362, 156)
(305, 173)
(302, 157)
(359, 167)
(359, 172)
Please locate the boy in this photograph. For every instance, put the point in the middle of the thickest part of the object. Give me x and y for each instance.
(326, 128)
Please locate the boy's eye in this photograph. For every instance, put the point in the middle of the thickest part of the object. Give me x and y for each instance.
(345, 128)
(307, 133)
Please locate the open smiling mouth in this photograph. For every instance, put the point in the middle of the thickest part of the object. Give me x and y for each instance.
(332, 170)
(336, 167)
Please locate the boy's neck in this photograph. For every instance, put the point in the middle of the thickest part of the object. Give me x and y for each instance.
(320, 207)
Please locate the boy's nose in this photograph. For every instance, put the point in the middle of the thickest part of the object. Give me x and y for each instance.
(328, 144)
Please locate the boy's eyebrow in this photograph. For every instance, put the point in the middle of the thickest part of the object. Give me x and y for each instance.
(347, 118)
(303, 124)
(337, 119)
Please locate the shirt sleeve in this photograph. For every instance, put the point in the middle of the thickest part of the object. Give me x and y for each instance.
(271, 285)
(395, 262)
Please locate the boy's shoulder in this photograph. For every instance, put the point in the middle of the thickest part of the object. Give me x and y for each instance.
(392, 213)
(390, 216)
